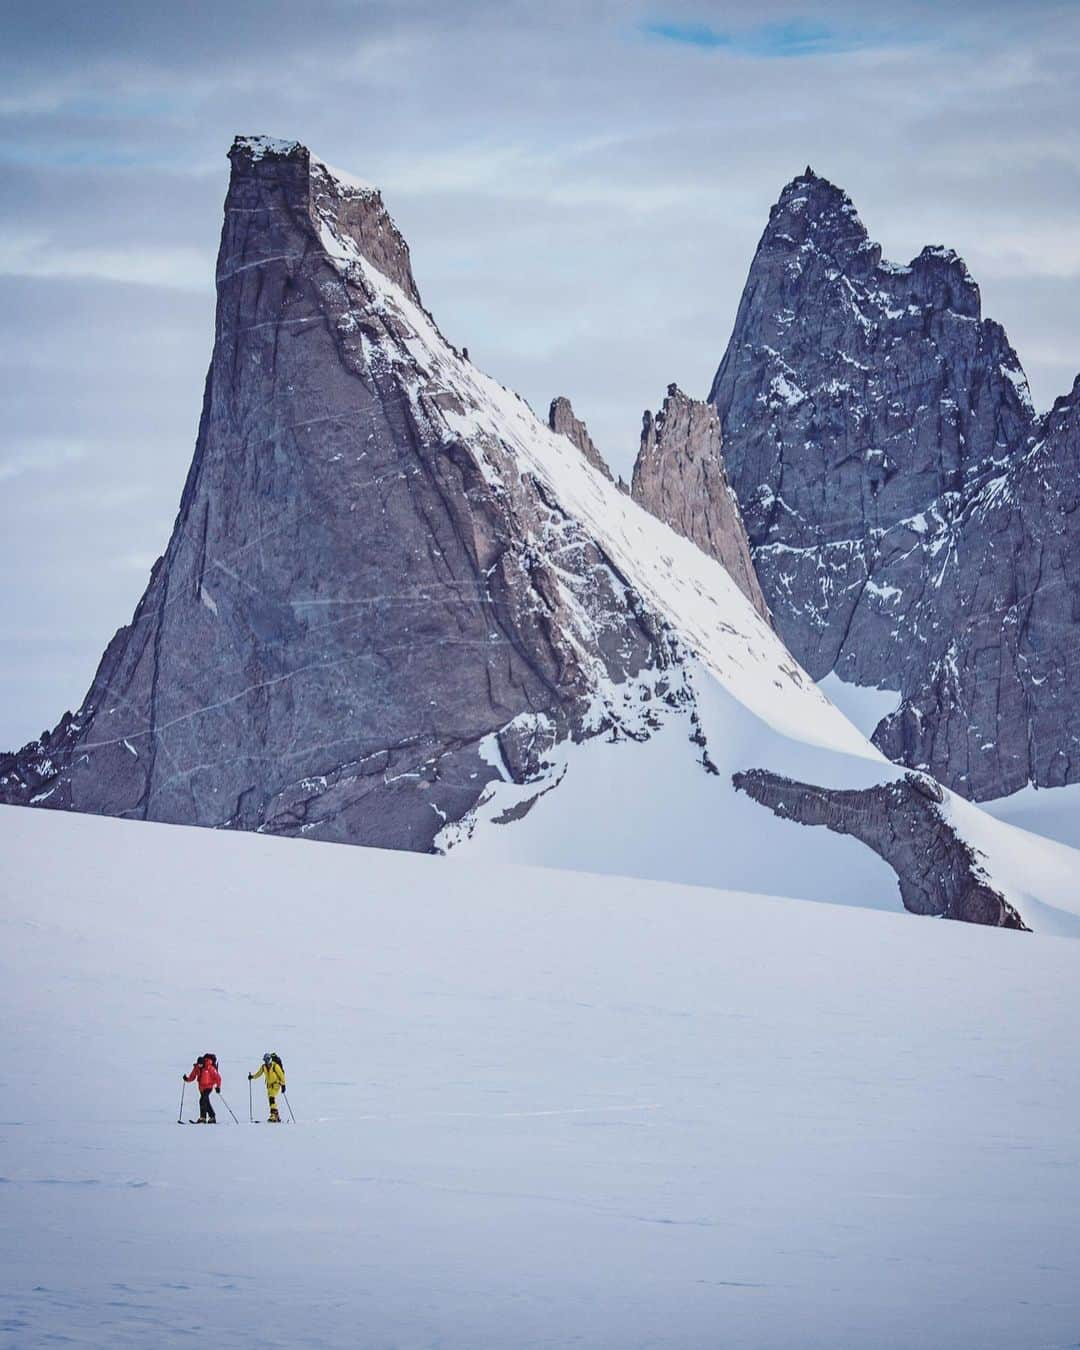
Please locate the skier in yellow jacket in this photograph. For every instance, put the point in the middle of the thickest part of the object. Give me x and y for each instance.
(273, 1071)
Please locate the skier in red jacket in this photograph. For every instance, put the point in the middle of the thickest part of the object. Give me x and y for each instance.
(205, 1070)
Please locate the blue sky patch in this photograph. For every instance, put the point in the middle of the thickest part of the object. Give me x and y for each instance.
(792, 38)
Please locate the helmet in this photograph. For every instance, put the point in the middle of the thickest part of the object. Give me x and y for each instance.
(267, 1057)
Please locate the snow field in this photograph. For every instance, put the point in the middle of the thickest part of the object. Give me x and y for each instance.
(535, 1108)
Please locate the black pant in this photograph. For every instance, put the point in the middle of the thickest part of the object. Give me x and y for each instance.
(205, 1109)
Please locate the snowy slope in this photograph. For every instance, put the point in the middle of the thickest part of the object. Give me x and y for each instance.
(534, 1110)
(1053, 812)
(859, 703)
(1037, 874)
(647, 810)
(651, 809)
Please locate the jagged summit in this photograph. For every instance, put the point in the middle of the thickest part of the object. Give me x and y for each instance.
(813, 215)
(679, 476)
(822, 188)
(908, 511)
(346, 215)
(562, 420)
(821, 305)
(257, 149)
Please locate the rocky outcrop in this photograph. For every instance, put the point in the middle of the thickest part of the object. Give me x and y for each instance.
(909, 515)
(357, 591)
(904, 823)
(679, 476)
(562, 421)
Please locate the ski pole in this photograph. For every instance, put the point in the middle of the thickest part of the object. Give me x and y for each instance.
(228, 1108)
(289, 1105)
(183, 1089)
(251, 1108)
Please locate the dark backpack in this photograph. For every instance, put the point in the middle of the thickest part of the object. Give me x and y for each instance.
(277, 1061)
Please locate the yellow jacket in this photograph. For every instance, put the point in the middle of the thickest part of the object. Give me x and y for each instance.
(275, 1078)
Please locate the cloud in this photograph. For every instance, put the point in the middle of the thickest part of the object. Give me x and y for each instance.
(45, 455)
(582, 197)
(141, 263)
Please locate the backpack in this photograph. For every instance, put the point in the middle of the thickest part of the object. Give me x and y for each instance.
(277, 1061)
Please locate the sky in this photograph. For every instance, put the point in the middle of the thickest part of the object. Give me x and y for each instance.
(582, 186)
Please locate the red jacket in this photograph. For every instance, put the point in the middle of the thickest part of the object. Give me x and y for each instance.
(206, 1072)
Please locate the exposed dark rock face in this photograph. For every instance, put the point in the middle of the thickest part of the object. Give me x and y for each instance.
(1006, 683)
(909, 516)
(561, 419)
(679, 476)
(855, 393)
(903, 822)
(347, 606)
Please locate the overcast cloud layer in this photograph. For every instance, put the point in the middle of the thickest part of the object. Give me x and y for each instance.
(583, 187)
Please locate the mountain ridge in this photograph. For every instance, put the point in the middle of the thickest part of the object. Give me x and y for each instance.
(398, 609)
(870, 414)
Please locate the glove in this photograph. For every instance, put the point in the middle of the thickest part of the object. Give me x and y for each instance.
(218, 1091)
(250, 1077)
(283, 1089)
